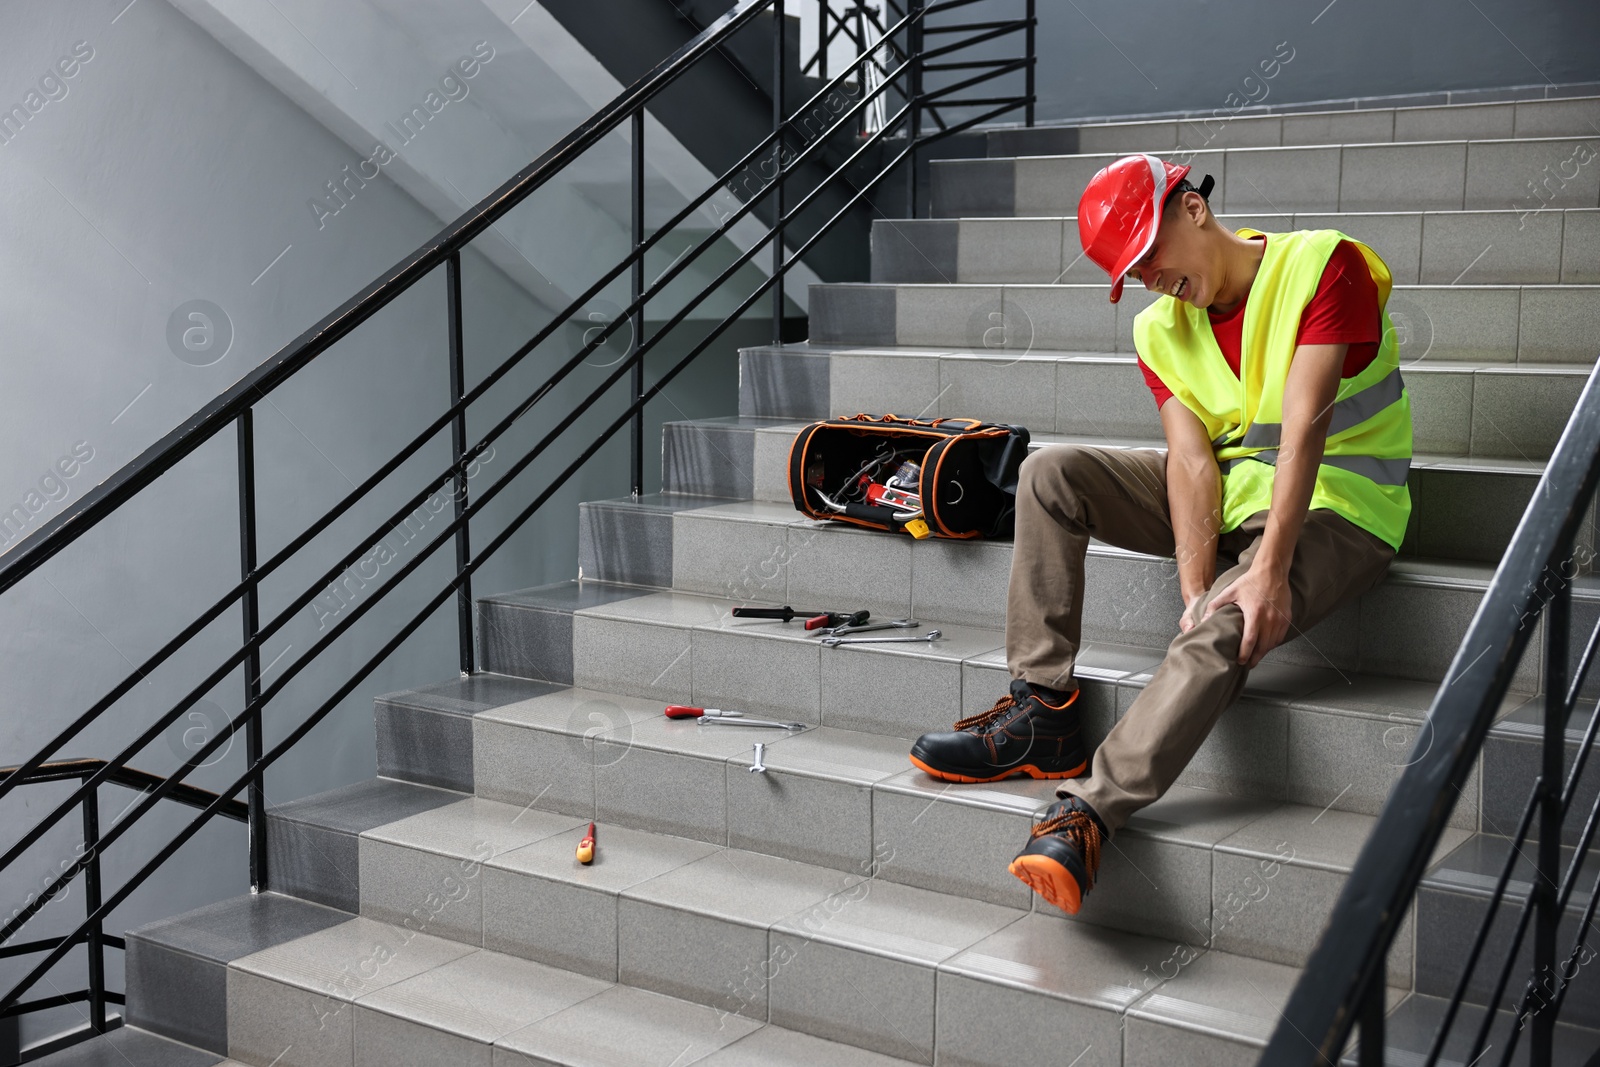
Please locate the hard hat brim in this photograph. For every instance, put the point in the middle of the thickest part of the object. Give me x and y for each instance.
(1144, 234)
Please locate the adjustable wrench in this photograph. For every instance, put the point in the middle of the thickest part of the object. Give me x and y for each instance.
(835, 642)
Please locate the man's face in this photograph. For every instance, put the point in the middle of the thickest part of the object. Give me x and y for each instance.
(1180, 263)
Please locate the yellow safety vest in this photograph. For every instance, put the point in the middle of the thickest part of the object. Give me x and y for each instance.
(1368, 452)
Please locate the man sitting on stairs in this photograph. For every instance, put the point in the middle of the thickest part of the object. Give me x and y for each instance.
(1288, 442)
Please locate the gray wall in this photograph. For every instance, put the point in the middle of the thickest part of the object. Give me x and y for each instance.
(165, 171)
(1128, 57)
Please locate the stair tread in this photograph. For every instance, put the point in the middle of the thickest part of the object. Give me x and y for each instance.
(1225, 995)
(130, 1046)
(1371, 695)
(489, 996)
(224, 931)
(1474, 867)
(1109, 156)
(1410, 1028)
(330, 962)
(363, 805)
(1101, 287)
(1324, 109)
(1410, 569)
(1324, 838)
(1048, 355)
(1224, 216)
(472, 829)
(494, 998)
(1441, 460)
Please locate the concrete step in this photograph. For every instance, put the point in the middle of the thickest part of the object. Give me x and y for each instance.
(425, 735)
(505, 941)
(130, 1046)
(1515, 746)
(177, 969)
(1409, 1030)
(1465, 323)
(1460, 409)
(833, 799)
(1454, 897)
(1420, 247)
(1463, 508)
(749, 551)
(312, 847)
(1302, 733)
(1523, 175)
(364, 992)
(1574, 117)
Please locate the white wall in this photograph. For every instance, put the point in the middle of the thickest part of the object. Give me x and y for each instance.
(167, 171)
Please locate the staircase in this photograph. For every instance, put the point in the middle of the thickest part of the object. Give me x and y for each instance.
(842, 908)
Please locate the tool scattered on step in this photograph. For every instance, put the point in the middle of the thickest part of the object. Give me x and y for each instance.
(586, 847)
(725, 718)
(815, 620)
(835, 642)
(683, 711)
(880, 624)
(758, 767)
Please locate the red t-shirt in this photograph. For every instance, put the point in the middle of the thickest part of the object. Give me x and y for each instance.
(1344, 311)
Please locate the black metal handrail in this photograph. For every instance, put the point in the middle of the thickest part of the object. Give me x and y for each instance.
(235, 406)
(132, 777)
(91, 935)
(1343, 984)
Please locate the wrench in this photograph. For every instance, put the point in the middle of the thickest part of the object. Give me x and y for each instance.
(880, 624)
(717, 721)
(835, 642)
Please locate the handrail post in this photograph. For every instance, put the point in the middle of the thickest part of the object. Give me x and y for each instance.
(250, 612)
(914, 9)
(823, 11)
(458, 447)
(1033, 63)
(91, 903)
(777, 177)
(1372, 1024)
(1547, 917)
(636, 287)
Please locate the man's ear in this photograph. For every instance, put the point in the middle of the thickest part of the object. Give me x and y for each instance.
(1193, 205)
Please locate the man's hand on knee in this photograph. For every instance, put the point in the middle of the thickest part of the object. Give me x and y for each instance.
(1262, 594)
(1192, 606)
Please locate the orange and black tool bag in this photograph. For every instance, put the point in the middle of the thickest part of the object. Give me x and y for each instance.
(927, 477)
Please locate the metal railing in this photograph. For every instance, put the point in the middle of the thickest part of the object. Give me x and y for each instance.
(1343, 985)
(92, 935)
(233, 410)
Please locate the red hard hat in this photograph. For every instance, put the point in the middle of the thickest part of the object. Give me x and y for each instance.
(1120, 211)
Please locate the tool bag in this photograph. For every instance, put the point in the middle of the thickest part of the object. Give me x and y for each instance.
(954, 478)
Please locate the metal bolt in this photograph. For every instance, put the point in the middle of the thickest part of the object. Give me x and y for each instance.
(758, 767)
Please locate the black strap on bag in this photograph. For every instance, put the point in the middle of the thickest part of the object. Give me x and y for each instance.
(966, 474)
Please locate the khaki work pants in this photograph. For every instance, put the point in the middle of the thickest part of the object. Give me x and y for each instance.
(1067, 494)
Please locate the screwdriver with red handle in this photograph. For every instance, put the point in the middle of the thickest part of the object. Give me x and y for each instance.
(586, 847)
(725, 718)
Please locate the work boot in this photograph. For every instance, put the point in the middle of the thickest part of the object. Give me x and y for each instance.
(1022, 734)
(1062, 854)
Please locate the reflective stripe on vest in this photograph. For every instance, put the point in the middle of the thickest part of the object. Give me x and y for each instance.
(1382, 471)
(1351, 411)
